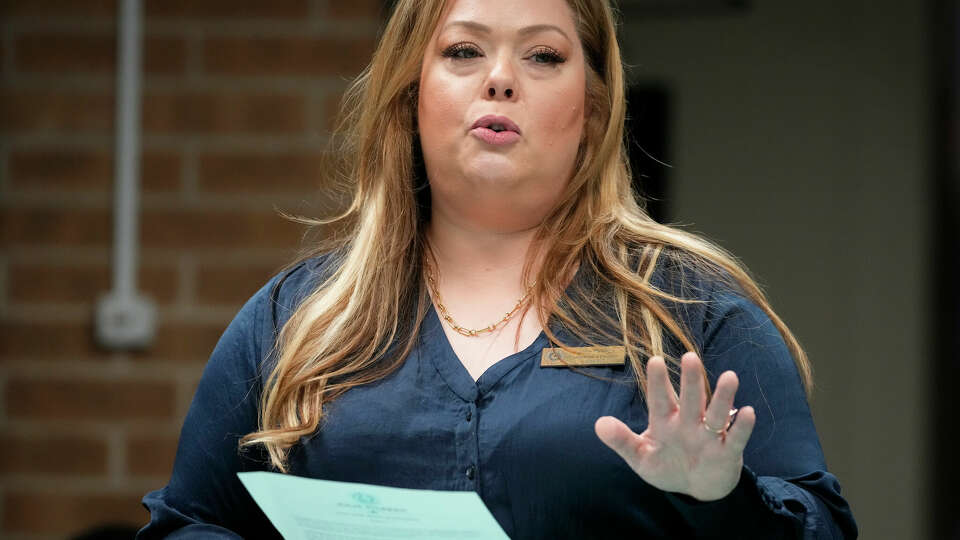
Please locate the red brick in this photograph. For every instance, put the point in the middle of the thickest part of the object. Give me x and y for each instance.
(55, 111)
(286, 56)
(21, 226)
(250, 172)
(179, 228)
(54, 340)
(86, 53)
(60, 169)
(87, 170)
(274, 9)
(87, 8)
(67, 514)
(184, 343)
(92, 399)
(64, 52)
(164, 55)
(31, 283)
(216, 228)
(151, 456)
(356, 9)
(53, 454)
(223, 113)
(160, 172)
(175, 342)
(231, 285)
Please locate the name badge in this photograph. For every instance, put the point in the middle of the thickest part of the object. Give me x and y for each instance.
(583, 356)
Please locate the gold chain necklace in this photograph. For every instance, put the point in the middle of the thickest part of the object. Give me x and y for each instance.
(469, 332)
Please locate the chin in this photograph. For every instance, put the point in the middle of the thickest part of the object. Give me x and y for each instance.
(493, 172)
(500, 181)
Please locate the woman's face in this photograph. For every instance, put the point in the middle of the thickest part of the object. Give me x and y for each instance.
(519, 60)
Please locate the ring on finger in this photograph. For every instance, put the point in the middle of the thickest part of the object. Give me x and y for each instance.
(730, 415)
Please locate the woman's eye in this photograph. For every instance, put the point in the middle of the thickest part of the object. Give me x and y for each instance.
(461, 51)
(547, 56)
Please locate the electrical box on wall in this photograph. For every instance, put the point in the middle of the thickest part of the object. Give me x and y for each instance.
(125, 321)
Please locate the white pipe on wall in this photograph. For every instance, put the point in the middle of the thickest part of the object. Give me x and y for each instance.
(127, 157)
(124, 318)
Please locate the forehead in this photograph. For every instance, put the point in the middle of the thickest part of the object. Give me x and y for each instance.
(507, 16)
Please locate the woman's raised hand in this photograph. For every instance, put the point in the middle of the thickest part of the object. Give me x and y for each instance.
(678, 452)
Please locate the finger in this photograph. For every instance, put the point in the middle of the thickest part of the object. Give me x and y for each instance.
(693, 398)
(618, 436)
(739, 433)
(661, 399)
(718, 412)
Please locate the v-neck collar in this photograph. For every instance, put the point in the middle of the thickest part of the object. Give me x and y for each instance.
(435, 345)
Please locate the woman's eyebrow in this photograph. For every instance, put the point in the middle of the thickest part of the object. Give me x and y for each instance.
(532, 29)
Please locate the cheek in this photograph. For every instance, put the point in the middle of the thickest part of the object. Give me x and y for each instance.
(440, 107)
(565, 115)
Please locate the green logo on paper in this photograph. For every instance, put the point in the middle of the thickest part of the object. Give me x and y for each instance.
(364, 498)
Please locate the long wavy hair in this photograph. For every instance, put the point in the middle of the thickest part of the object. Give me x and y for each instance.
(360, 321)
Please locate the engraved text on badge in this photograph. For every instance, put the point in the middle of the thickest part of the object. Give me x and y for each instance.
(583, 356)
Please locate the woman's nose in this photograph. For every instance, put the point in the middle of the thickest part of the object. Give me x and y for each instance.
(501, 82)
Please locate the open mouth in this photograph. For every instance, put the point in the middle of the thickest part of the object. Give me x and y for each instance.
(496, 130)
(496, 124)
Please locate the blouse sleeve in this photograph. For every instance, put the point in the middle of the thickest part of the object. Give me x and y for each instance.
(204, 495)
(785, 490)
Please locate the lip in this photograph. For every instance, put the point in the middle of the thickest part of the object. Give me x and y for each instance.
(486, 120)
(490, 136)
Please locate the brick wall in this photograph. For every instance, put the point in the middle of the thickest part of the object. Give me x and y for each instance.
(237, 103)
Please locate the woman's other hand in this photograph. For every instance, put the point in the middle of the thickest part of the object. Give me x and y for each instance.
(676, 452)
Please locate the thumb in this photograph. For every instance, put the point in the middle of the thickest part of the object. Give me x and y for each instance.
(616, 435)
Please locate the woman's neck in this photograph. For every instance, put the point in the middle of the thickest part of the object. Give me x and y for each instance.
(474, 255)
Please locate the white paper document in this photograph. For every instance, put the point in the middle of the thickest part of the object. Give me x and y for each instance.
(311, 509)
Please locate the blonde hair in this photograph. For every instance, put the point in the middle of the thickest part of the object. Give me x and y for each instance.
(360, 322)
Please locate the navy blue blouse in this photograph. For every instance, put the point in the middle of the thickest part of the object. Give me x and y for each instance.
(521, 435)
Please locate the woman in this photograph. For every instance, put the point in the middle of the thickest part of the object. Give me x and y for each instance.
(493, 246)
